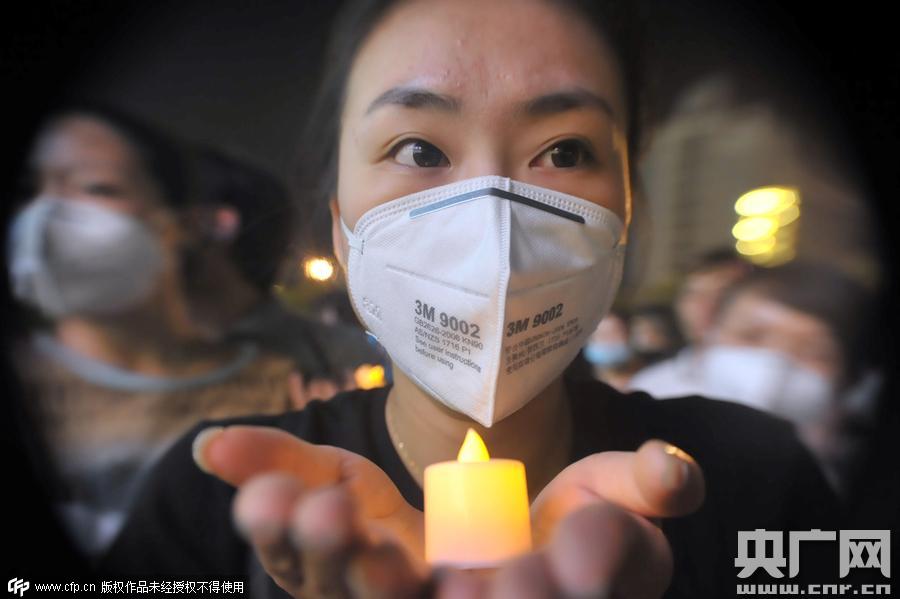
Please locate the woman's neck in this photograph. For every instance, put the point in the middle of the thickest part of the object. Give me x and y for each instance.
(424, 431)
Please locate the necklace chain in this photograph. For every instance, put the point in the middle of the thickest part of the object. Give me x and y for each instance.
(400, 445)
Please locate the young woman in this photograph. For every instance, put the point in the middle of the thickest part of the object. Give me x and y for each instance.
(478, 168)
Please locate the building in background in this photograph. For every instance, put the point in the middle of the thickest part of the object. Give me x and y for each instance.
(714, 148)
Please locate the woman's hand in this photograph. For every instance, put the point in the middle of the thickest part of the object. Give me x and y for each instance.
(328, 523)
(306, 509)
(594, 518)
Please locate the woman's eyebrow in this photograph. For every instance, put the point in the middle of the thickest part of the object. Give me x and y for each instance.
(415, 97)
(561, 101)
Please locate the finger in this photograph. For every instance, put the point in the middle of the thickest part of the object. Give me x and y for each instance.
(262, 509)
(659, 480)
(237, 453)
(383, 572)
(602, 551)
(325, 529)
(670, 481)
(527, 577)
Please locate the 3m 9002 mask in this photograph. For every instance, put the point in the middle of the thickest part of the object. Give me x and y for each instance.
(484, 290)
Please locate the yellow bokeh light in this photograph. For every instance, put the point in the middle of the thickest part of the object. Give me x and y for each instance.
(775, 257)
(756, 247)
(766, 200)
(788, 215)
(368, 376)
(766, 229)
(781, 255)
(318, 269)
(754, 228)
(473, 449)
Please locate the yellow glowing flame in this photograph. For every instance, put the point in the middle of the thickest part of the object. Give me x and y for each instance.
(368, 376)
(473, 449)
(318, 269)
(766, 200)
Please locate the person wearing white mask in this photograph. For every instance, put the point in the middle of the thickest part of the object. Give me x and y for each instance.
(790, 340)
(609, 352)
(795, 340)
(477, 160)
(694, 307)
(126, 358)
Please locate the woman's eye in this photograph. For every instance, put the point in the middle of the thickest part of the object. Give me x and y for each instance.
(566, 154)
(415, 152)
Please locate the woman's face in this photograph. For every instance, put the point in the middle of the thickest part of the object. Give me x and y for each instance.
(82, 159)
(754, 321)
(447, 90)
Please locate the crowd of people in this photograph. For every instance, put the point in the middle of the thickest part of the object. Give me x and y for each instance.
(793, 340)
(188, 423)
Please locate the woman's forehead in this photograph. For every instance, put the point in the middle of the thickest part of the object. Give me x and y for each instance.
(483, 54)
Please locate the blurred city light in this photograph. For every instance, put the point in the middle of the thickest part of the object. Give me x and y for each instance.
(754, 228)
(368, 376)
(318, 269)
(756, 247)
(766, 228)
(765, 200)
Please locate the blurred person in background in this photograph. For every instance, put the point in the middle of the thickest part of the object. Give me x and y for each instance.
(699, 295)
(791, 340)
(247, 217)
(360, 361)
(695, 308)
(130, 352)
(609, 351)
(654, 334)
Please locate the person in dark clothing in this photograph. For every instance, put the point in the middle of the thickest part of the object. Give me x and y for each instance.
(758, 475)
(477, 161)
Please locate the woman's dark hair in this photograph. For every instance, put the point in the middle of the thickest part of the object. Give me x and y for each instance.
(823, 292)
(617, 22)
(261, 200)
(161, 156)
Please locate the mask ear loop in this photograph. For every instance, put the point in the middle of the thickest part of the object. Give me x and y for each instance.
(352, 240)
(28, 239)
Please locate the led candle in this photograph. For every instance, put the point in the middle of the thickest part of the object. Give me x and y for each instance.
(476, 509)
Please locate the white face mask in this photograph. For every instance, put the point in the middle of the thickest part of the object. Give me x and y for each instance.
(74, 257)
(766, 380)
(484, 290)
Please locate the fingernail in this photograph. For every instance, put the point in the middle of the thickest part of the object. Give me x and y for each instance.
(677, 470)
(201, 441)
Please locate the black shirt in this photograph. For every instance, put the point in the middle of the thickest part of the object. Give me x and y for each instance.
(758, 475)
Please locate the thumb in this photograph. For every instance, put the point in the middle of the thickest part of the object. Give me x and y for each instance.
(238, 453)
(658, 480)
